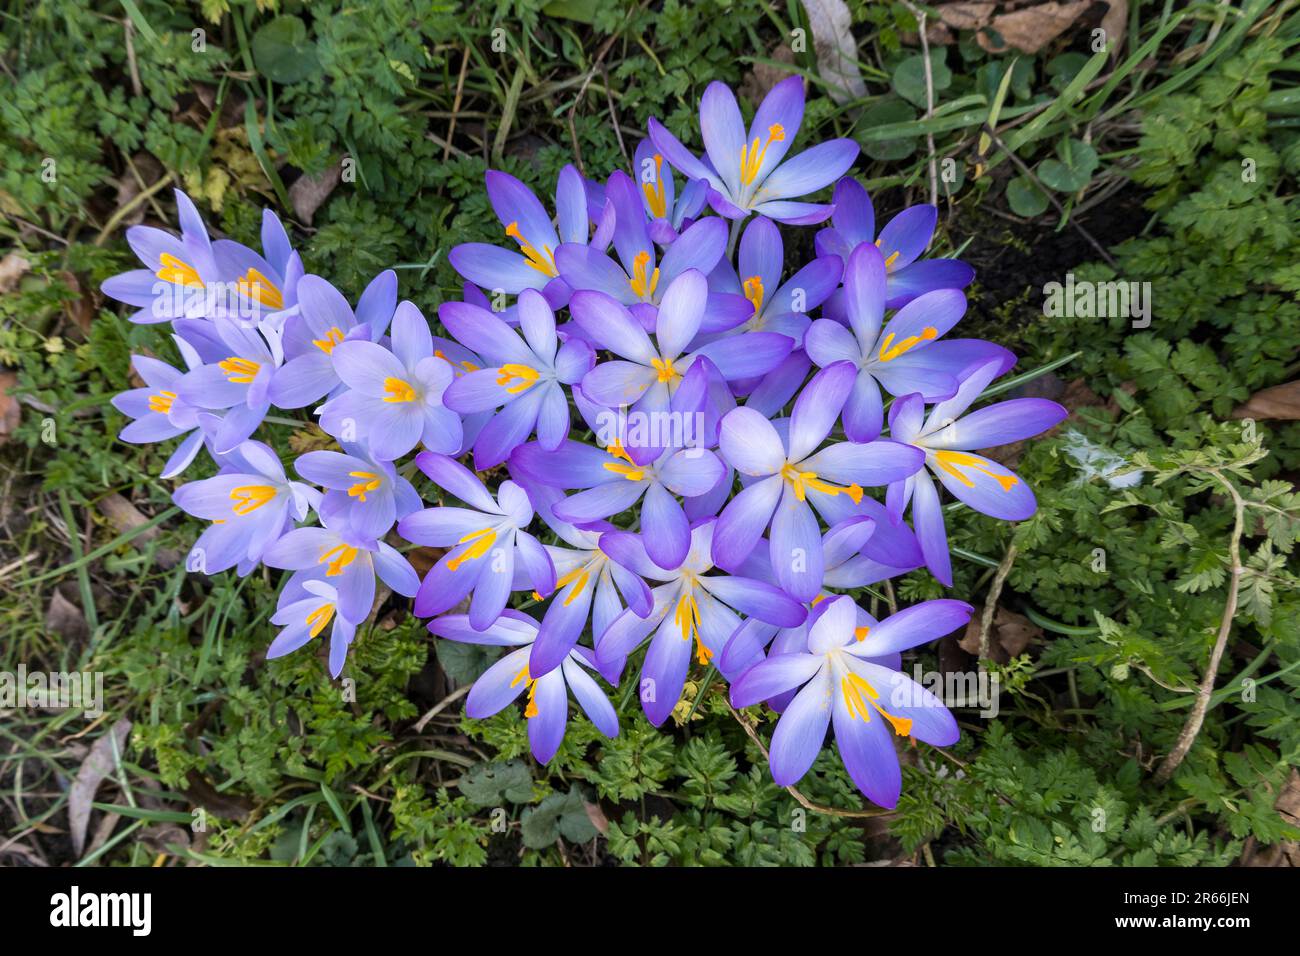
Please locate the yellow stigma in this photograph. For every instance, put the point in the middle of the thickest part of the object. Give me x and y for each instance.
(162, 402)
(173, 270)
(260, 289)
(521, 375)
(332, 338)
(342, 555)
(751, 155)
(465, 364)
(241, 371)
(618, 451)
(861, 698)
(630, 472)
(889, 351)
(578, 577)
(860, 633)
(687, 620)
(754, 292)
(642, 286)
(893, 257)
(369, 482)
(654, 197)
(804, 480)
(531, 710)
(665, 369)
(953, 461)
(398, 390)
(483, 540)
(319, 618)
(543, 262)
(248, 498)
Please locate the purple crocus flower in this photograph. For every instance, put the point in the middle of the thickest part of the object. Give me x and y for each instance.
(841, 683)
(777, 306)
(307, 606)
(250, 504)
(527, 376)
(668, 211)
(792, 474)
(486, 540)
(394, 399)
(364, 493)
(640, 278)
(159, 413)
(548, 698)
(947, 438)
(263, 285)
(588, 584)
(237, 376)
(348, 561)
(323, 320)
(745, 169)
(903, 357)
(901, 243)
(526, 222)
(652, 371)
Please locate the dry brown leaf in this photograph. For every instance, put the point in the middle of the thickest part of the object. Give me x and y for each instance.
(10, 410)
(1011, 634)
(1115, 24)
(99, 763)
(1279, 402)
(759, 81)
(309, 192)
(597, 817)
(837, 50)
(124, 516)
(1031, 29)
(65, 619)
(12, 268)
(966, 16)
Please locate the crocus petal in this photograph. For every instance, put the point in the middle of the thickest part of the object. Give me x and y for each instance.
(591, 698)
(999, 424)
(498, 686)
(796, 547)
(867, 749)
(755, 599)
(908, 234)
(876, 463)
(773, 676)
(740, 526)
(809, 171)
(748, 355)
(927, 517)
(801, 731)
(612, 326)
(918, 624)
(818, 406)
(987, 486)
(750, 444)
(664, 528)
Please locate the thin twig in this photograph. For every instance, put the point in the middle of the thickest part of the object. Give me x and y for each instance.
(929, 98)
(137, 199)
(455, 105)
(991, 602)
(442, 705)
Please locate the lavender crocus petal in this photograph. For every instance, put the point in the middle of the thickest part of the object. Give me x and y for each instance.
(626, 631)
(356, 590)
(755, 599)
(574, 360)
(762, 253)
(498, 686)
(494, 268)
(723, 132)
(562, 626)
(537, 322)
(208, 387)
(748, 355)
(782, 106)
(818, 406)
(510, 630)
(867, 749)
(925, 275)
(299, 549)
(341, 635)
(552, 417)
(814, 283)
(779, 385)
(908, 700)
(864, 410)
(492, 589)
(571, 207)
(666, 662)
(618, 383)
(987, 486)
(906, 416)
(855, 217)
(587, 268)
(876, 463)
(740, 526)
(864, 294)
(322, 306)
(664, 528)
(138, 287)
(591, 698)
(973, 382)
(600, 501)
(293, 637)
(571, 465)
(908, 234)
(925, 318)
(184, 454)
(699, 247)
(927, 518)
(915, 373)
(303, 380)
(794, 213)
(478, 391)
(845, 538)
(680, 312)
(775, 675)
(912, 626)
(546, 727)
(750, 443)
(236, 426)
(395, 571)
(796, 551)
(810, 171)
(611, 326)
(485, 333)
(364, 366)
(801, 731)
(999, 424)
(453, 477)
(538, 569)
(378, 303)
(514, 202)
(681, 159)
(691, 472)
(151, 428)
(412, 340)
(744, 648)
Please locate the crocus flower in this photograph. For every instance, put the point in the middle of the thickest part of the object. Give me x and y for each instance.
(789, 473)
(903, 357)
(640, 279)
(650, 372)
(501, 684)
(394, 399)
(947, 438)
(703, 610)
(527, 224)
(263, 285)
(323, 320)
(588, 584)
(159, 413)
(667, 211)
(236, 375)
(745, 170)
(527, 375)
(307, 606)
(901, 242)
(485, 540)
(364, 493)
(777, 306)
(249, 503)
(348, 561)
(840, 683)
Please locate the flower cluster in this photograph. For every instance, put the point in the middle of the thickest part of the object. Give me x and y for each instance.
(651, 441)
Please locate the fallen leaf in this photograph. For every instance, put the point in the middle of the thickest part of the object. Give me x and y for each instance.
(124, 516)
(966, 16)
(309, 192)
(1115, 24)
(12, 268)
(1278, 402)
(1031, 29)
(759, 81)
(65, 619)
(837, 50)
(203, 794)
(1010, 634)
(10, 410)
(79, 310)
(597, 817)
(99, 763)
